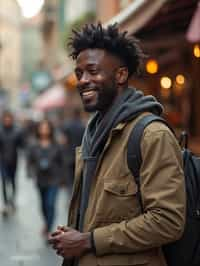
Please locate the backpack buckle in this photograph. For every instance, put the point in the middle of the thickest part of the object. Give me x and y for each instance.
(198, 213)
(183, 141)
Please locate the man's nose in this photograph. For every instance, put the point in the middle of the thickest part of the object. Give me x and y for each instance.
(85, 78)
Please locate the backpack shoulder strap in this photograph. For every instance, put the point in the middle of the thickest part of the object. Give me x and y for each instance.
(134, 157)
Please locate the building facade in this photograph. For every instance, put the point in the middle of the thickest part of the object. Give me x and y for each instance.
(171, 72)
(108, 9)
(10, 51)
(75, 9)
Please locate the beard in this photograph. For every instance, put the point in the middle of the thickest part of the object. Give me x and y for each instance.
(103, 100)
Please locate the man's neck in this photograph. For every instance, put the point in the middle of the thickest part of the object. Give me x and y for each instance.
(121, 92)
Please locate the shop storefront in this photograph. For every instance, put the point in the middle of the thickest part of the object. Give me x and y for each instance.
(172, 69)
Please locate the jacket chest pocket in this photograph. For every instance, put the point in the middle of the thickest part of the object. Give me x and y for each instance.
(118, 201)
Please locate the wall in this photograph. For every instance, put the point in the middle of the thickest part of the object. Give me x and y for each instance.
(10, 38)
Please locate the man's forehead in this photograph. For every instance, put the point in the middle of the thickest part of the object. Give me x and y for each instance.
(97, 57)
(92, 56)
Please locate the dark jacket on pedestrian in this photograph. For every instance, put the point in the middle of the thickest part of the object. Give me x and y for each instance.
(73, 131)
(11, 139)
(45, 163)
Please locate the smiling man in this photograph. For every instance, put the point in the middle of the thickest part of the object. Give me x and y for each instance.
(106, 224)
(100, 92)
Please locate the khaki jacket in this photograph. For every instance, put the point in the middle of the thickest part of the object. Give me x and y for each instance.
(122, 234)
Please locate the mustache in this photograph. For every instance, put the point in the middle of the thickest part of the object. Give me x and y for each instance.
(83, 88)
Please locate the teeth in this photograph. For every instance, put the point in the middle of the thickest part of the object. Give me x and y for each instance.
(88, 93)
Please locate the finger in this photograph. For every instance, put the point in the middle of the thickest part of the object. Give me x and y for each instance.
(60, 227)
(60, 252)
(59, 246)
(57, 232)
(64, 228)
(56, 246)
(53, 240)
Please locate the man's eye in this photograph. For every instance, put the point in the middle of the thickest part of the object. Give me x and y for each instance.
(93, 71)
(78, 74)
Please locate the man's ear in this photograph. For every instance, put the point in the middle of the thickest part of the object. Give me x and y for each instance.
(122, 75)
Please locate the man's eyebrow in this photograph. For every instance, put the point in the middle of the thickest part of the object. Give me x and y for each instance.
(91, 64)
(88, 65)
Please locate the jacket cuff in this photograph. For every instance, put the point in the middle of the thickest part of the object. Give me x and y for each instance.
(93, 247)
(102, 240)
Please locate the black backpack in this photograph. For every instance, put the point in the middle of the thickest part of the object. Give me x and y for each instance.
(186, 251)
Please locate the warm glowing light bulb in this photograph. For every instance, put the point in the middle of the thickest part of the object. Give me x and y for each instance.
(165, 82)
(152, 66)
(180, 79)
(196, 50)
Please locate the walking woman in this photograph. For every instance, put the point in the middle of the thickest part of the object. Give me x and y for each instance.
(45, 161)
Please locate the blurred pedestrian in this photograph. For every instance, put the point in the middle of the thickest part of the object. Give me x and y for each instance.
(11, 140)
(28, 126)
(73, 130)
(45, 160)
(109, 223)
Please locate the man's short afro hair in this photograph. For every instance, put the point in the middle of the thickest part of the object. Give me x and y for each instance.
(120, 44)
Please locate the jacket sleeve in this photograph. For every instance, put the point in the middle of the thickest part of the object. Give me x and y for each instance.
(30, 160)
(163, 196)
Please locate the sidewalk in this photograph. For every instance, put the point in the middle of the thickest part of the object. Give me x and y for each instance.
(21, 243)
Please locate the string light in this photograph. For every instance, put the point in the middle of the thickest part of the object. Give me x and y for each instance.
(152, 66)
(196, 50)
(180, 79)
(165, 82)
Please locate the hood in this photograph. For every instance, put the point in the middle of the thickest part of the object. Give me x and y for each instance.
(126, 107)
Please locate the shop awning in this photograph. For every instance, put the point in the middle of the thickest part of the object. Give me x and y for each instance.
(193, 33)
(54, 97)
(137, 14)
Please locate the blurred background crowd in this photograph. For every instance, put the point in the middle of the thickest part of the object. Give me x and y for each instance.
(39, 104)
(49, 153)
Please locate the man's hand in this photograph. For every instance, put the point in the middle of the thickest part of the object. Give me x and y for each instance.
(69, 242)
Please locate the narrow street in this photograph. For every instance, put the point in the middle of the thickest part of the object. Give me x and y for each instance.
(21, 243)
